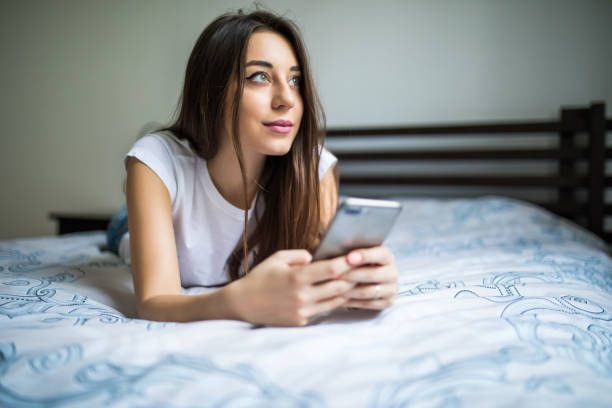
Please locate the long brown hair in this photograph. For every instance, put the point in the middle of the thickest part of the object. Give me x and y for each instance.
(289, 183)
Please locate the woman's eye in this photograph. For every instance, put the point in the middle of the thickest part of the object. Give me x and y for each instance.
(258, 77)
(295, 81)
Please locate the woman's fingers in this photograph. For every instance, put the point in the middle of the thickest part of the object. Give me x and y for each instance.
(311, 272)
(323, 306)
(374, 291)
(371, 274)
(320, 271)
(371, 265)
(370, 304)
(374, 276)
(333, 288)
(379, 255)
(293, 257)
(320, 298)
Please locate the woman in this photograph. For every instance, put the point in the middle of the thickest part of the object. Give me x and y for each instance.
(225, 195)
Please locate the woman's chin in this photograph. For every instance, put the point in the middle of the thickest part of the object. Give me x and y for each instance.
(277, 152)
(278, 149)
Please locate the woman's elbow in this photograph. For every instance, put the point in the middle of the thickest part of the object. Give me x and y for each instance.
(147, 309)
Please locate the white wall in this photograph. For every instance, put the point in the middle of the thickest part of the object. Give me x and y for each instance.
(81, 79)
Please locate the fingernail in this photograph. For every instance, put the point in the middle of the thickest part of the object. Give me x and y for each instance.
(354, 258)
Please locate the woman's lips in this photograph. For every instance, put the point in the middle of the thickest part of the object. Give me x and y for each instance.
(280, 126)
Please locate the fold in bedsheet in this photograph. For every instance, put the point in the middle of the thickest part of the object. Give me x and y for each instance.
(500, 304)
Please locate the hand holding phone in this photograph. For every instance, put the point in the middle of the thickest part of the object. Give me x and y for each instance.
(358, 223)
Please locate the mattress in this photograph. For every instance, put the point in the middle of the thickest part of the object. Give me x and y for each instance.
(500, 303)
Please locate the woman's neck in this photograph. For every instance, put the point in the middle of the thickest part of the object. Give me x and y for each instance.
(224, 170)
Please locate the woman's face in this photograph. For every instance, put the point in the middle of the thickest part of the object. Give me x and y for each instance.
(271, 107)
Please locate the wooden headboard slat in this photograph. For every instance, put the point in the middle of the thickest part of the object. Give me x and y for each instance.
(597, 143)
(510, 154)
(451, 180)
(575, 123)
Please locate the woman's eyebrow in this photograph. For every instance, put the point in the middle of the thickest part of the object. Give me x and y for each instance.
(268, 65)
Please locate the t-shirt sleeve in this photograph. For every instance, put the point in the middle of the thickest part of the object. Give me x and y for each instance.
(154, 151)
(326, 161)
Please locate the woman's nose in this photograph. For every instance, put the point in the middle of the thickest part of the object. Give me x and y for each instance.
(284, 97)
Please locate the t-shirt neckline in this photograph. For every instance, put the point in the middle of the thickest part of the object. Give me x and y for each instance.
(217, 197)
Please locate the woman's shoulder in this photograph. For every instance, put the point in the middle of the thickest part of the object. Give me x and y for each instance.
(175, 146)
(326, 161)
(166, 155)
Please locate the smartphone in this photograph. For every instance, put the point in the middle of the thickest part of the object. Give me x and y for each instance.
(358, 223)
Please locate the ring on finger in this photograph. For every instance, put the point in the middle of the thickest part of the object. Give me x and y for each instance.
(377, 288)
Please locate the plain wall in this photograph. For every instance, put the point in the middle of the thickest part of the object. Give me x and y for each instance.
(81, 80)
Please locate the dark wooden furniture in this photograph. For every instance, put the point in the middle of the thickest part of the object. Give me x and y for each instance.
(68, 222)
(579, 156)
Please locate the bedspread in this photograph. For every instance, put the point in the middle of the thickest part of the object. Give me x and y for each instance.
(500, 303)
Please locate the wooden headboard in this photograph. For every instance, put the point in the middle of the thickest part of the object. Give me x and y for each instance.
(578, 156)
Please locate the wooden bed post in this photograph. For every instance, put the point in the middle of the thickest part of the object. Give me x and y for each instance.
(596, 128)
(567, 167)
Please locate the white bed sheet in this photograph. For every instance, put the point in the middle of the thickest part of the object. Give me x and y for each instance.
(500, 304)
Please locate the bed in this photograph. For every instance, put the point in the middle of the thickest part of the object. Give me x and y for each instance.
(501, 302)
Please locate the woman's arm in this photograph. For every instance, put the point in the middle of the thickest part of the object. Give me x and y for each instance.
(155, 268)
(282, 290)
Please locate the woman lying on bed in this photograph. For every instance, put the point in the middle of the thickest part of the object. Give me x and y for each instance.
(235, 183)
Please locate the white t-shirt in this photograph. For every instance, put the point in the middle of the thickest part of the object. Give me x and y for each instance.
(206, 226)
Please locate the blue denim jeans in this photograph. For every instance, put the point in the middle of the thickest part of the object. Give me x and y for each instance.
(117, 227)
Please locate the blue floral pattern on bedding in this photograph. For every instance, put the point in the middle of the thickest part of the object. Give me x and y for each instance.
(500, 303)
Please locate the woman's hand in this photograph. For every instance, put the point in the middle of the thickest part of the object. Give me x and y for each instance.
(287, 289)
(374, 276)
